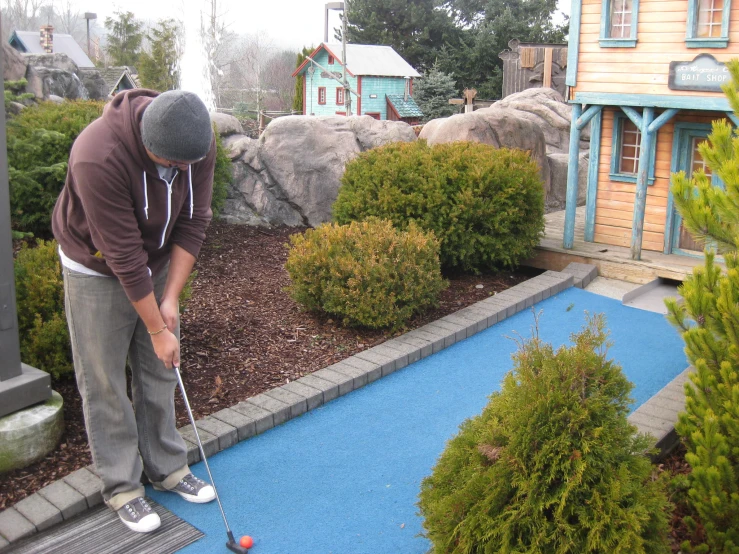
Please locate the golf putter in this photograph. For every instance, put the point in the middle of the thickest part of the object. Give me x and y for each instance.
(232, 545)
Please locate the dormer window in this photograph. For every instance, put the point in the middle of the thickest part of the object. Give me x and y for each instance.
(618, 23)
(708, 23)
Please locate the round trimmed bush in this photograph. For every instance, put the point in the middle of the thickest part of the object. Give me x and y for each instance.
(485, 204)
(367, 273)
(551, 465)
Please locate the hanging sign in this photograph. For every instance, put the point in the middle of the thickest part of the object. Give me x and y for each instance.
(704, 73)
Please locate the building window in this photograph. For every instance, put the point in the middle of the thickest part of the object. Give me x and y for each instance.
(708, 23)
(626, 150)
(618, 23)
(321, 95)
(340, 96)
(697, 162)
(330, 60)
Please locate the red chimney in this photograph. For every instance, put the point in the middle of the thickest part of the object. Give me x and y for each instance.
(47, 39)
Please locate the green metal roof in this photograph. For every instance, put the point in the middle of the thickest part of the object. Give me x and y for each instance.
(406, 107)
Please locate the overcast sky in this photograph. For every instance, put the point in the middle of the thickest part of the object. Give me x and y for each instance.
(289, 24)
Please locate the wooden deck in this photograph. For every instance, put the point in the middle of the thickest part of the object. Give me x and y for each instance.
(612, 261)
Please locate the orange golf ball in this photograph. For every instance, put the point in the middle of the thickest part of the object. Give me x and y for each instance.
(246, 541)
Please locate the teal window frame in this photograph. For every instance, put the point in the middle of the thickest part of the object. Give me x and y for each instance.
(693, 41)
(605, 25)
(615, 174)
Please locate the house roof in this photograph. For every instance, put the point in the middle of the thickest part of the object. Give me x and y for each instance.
(114, 75)
(366, 59)
(63, 44)
(405, 106)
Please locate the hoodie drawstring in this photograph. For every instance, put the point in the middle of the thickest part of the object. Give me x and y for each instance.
(192, 200)
(169, 200)
(146, 197)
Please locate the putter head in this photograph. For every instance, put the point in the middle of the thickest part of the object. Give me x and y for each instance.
(233, 546)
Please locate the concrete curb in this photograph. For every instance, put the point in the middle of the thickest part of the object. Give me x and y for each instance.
(80, 490)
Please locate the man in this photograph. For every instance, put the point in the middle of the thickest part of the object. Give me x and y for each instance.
(130, 222)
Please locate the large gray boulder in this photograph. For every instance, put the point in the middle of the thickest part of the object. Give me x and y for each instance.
(556, 196)
(292, 174)
(498, 126)
(227, 124)
(92, 80)
(50, 81)
(547, 109)
(14, 65)
(54, 74)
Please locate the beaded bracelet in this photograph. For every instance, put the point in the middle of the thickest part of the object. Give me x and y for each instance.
(152, 333)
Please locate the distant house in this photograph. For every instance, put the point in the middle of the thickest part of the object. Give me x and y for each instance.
(382, 79)
(48, 42)
(118, 79)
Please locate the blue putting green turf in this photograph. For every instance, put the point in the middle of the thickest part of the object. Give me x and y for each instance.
(344, 478)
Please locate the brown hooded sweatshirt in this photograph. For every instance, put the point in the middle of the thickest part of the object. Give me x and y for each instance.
(115, 215)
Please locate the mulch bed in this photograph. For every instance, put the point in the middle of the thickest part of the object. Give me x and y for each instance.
(242, 335)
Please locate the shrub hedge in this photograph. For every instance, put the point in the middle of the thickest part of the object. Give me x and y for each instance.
(42, 325)
(551, 465)
(39, 141)
(486, 205)
(367, 273)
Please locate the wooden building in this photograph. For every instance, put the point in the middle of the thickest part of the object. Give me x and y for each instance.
(380, 76)
(646, 75)
(528, 65)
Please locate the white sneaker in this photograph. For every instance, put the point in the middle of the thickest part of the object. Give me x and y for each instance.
(192, 489)
(139, 516)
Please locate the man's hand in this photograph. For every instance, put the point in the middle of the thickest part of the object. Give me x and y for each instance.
(170, 311)
(167, 348)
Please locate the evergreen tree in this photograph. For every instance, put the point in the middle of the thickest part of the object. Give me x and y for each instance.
(709, 322)
(432, 93)
(300, 79)
(160, 69)
(416, 29)
(551, 465)
(125, 34)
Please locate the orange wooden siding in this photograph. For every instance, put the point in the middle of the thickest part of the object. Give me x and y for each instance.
(645, 68)
(614, 210)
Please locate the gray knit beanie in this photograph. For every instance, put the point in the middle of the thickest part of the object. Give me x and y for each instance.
(176, 126)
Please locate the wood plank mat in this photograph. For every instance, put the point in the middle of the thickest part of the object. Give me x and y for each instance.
(99, 531)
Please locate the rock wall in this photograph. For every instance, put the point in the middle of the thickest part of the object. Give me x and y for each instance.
(52, 75)
(292, 174)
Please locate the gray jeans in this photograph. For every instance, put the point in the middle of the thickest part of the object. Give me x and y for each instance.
(125, 439)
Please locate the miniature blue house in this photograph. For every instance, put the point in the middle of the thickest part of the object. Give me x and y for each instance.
(381, 78)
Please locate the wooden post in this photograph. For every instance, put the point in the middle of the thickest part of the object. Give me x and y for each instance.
(548, 68)
(595, 131)
(642, 180)
(568, 240)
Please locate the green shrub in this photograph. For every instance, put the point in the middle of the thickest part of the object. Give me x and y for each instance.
(367, 273)
(14, 92)
(42, 325)
(551, 465)
(485, 205)
(39, 141)
(222, 177)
